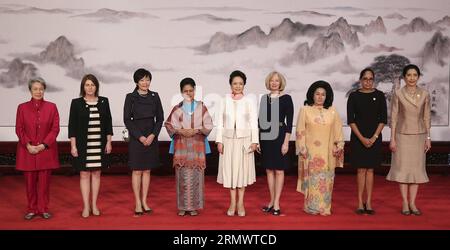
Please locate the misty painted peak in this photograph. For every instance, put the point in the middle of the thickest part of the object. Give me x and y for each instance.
(341, 22)
(438, 36)
(107, 11)
(61, 48)
(436, 50)
(287, 21)
(376, 26)
(419, 22)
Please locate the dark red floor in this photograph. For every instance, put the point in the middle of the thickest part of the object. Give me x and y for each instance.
(116, 204)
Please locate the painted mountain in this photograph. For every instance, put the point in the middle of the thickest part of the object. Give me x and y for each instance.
(345, 31)
(418, 24)
(206, 18)
(322, 47)
(287, 30)
(376, 26)
(113, 16)
(18, 73)
(34, 10)
(61, 52)
(379, 48)
(395, 16)
(437, 50)
(305, 13)
(445, 21)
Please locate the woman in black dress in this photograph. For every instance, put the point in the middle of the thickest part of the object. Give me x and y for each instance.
(275, 124)
(366, 115)
(90, 133)
(143, 116)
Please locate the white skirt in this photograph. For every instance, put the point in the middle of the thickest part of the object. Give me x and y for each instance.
(236, 164)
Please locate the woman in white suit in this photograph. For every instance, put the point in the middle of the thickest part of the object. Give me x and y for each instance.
(237, 139)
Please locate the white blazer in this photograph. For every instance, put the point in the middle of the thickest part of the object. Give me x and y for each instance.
(245, 118)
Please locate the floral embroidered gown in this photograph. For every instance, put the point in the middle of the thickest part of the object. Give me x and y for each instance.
(318, 131)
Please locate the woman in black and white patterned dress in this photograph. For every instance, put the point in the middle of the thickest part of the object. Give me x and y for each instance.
(90, 132)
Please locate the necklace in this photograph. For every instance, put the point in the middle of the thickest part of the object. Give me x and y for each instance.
(275, 96)
(91, 100)
(141, 94)
(321, 118)
(321, 113)
(412, 94)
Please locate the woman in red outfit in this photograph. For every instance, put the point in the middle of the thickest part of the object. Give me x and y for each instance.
(37, 126)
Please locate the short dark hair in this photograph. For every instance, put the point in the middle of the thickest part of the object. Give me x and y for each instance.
(141, 73)
(320, 84)
(410, 66)
(187, 81)
(83, 82)
(238, 73)
(366, 70)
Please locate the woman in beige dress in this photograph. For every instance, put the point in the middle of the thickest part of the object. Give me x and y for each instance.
(410, 138)
(237, 139)
(320, 147)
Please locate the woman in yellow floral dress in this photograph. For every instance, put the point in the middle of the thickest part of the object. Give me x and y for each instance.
(320, 148)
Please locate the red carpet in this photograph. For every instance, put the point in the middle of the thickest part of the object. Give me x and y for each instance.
(117, 204)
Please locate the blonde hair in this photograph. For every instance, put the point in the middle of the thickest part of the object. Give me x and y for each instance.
(280, 76)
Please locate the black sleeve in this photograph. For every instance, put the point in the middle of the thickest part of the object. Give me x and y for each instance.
(262, 107)
(127, 118)
(382, 118)
(159, 116)
(108, 120)
(73, 119)
(289, 115)
(350, 109)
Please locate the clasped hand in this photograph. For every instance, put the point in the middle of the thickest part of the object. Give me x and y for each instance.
(35, 149)
(147, 141)
(188, 132)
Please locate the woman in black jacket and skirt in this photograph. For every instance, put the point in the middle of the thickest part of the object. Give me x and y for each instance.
(143, 116)
(90, 132)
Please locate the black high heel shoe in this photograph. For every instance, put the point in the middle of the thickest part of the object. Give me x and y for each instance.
(416, 212)
(406, 212)
(360, 211)
(267, 209)
(276, 212)
(368, 211)
(138, 213)
(147, 211)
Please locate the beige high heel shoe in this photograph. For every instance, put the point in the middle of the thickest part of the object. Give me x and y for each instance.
(241, 213)
(85, 215)
(96, 212)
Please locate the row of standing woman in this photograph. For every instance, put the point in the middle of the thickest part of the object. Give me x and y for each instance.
(240, 133)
